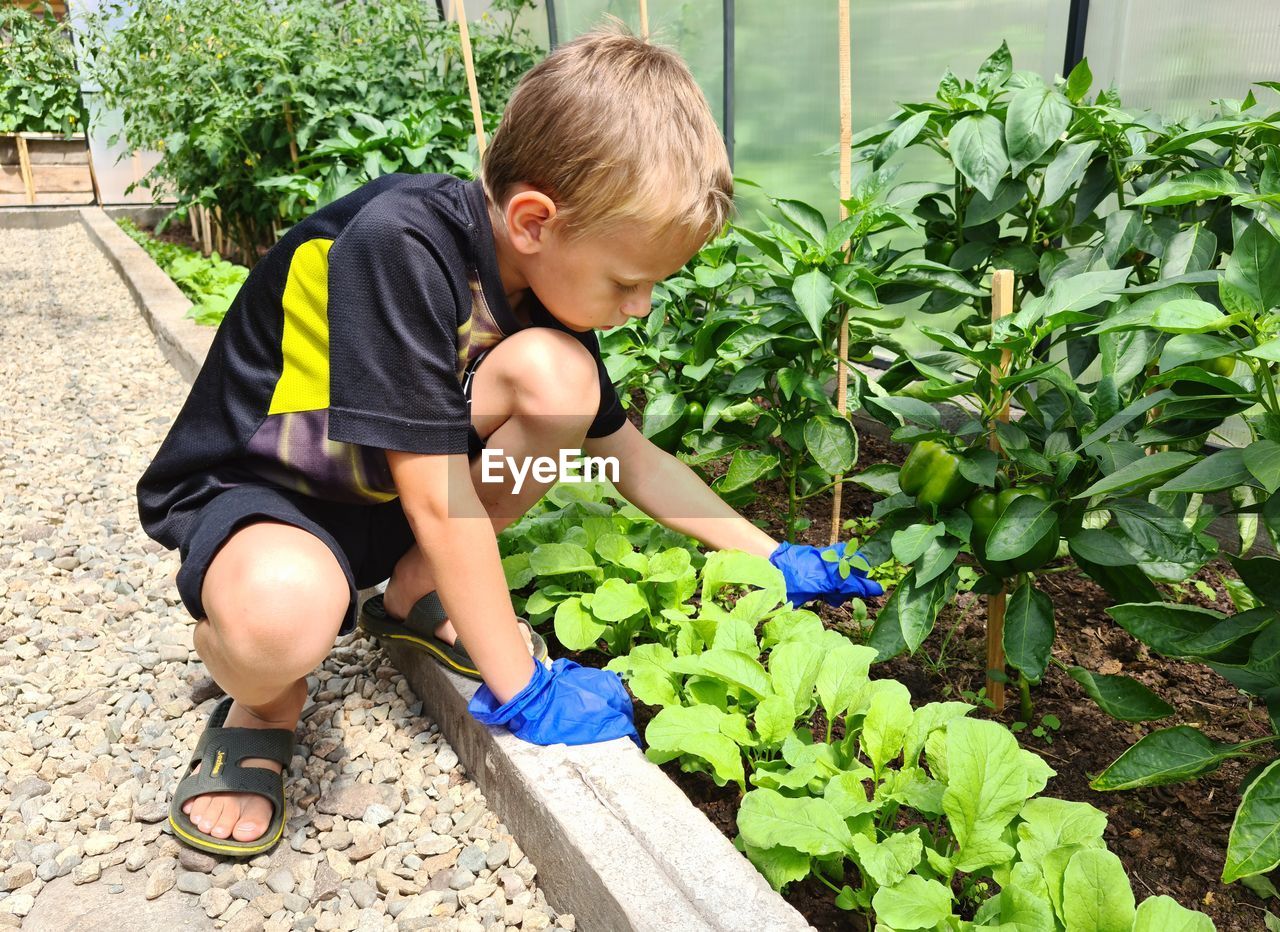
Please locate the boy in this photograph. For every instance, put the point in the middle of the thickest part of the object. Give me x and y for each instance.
(331, 438)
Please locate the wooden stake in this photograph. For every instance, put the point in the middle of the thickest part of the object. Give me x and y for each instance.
(644, 19)
(93, 175)
(219, 239)
(206, 238)
(460, 11)
(1001, 306)
(846, 139)
(24, 166)
(192, 214)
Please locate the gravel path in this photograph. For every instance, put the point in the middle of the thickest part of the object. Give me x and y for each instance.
(102, 697)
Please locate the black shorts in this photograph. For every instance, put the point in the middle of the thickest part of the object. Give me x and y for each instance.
(366, 540)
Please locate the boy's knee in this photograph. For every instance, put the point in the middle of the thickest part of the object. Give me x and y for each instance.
(281, 610)
(554, 374)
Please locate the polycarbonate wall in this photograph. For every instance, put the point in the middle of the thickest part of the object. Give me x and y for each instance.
(1174, 56)
(1177, 56)
(116, 166)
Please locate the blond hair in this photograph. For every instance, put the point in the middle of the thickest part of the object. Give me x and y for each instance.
(613, 129)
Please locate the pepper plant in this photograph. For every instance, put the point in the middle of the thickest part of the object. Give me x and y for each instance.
(1071, 465)
(757, 365)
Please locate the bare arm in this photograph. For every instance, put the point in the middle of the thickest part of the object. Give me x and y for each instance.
(457, 540)
(671, 493)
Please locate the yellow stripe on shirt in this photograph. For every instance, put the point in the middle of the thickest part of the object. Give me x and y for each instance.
(304, 377)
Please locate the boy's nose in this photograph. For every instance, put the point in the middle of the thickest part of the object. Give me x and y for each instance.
(639, 306)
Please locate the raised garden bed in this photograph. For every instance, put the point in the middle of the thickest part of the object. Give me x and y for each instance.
(1171, 839)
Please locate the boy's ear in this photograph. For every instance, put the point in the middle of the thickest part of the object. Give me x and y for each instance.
(528, 213)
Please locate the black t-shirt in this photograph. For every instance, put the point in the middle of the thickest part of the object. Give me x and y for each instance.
(349, 338)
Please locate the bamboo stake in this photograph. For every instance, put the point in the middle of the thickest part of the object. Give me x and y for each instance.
(644, 19)
(1001, 306)
(846, 139)
(24, 166)
(206, 239)
(460, 11)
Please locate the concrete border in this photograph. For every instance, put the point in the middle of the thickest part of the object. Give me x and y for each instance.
(616, 842)
(38, 218)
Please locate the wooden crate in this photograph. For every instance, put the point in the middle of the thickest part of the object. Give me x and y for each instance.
(45, 169)
(59, 7)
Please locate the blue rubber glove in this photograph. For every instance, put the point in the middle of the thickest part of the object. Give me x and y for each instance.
(810, 577)
(568, 704)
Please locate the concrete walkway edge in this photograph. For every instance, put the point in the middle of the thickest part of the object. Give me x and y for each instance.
(615, 841)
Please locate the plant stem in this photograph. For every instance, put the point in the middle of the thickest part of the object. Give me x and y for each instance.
(1115, 173)
(1025, 708)
(1264, 369)
(818, 874)
(791, 495)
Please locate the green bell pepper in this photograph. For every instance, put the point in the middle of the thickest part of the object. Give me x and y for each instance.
(932, 474)
(986, 508)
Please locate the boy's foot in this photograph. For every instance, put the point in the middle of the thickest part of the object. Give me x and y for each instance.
(244, 816)
(445, 630)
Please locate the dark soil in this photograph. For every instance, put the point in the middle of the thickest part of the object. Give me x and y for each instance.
(1172, 839)
(179, 232)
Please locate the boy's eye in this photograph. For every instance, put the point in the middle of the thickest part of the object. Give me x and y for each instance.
(626, 289)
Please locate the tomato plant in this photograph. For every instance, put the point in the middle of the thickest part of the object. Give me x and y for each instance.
(268, 110)
(39, 85)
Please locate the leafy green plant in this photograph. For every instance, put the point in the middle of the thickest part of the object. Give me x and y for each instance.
(39, 86)
(601, 568)
(1243, 648)
(211, 284)
(918, 802)
(1127, 348)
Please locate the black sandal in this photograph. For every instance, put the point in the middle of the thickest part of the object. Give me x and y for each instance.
(225, 748)
(419, 630)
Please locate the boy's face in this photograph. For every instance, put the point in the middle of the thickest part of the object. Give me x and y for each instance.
(595, 281)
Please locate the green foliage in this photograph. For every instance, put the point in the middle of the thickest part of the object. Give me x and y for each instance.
(223, 90)
(211, 284)
(748, 342)
(39, 87)
(601, 568)
(934, 810)
(1243, 648)
(921, 802)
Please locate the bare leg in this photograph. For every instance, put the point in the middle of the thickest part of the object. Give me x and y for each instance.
(506, 410)
(275, 597)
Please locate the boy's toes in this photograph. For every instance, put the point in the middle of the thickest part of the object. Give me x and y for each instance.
(226, 822)
(208, 818)
(247, 830)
